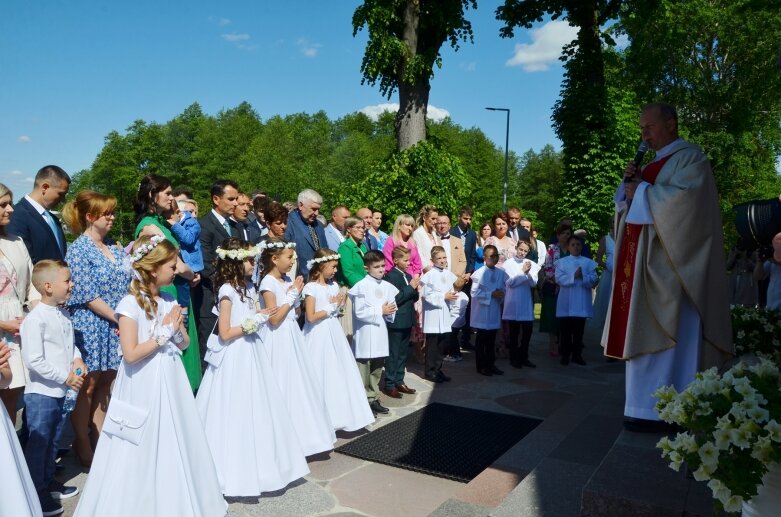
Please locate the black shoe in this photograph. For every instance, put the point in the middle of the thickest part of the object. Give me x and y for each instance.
(49, 506)
(59, 491)
(485, 371)
(443, 377)
(528, 363)
(376, 407)
(563, 361)
(579, 360)
(496, 371)
(436, 379)
(516, 364)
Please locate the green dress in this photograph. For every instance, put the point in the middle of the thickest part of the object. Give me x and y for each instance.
(191, 357)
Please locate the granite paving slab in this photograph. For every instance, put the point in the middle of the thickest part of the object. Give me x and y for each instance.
(590, 441)
(540, 404)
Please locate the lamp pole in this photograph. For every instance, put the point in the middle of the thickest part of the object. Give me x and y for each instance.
(506, 153)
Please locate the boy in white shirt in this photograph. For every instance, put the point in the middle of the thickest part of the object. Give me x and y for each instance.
(52, 360)
(374, 303)
(440, 292)
(576, 276)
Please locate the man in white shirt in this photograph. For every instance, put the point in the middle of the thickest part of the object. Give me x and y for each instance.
(334, 232)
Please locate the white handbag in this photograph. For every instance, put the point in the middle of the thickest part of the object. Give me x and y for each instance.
(125, 421)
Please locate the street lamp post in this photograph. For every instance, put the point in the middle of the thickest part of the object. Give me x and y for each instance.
(506, 154)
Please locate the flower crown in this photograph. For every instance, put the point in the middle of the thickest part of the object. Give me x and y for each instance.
(142, 250)
(266, 245)
(238, 254)
(327, 258)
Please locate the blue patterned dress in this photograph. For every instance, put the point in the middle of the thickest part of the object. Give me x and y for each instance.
(95, 276)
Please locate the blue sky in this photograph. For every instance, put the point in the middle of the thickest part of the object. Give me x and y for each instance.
(73, 70)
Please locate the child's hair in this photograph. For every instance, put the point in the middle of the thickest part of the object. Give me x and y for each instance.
(317, 266)
(524, 241)
(144, 265)
(45, 271)
(231, 270)
(399, 252)
(89, 202)
(266, 259)
(372, 257)
(574, 237)
(435, 250)
(490, 247)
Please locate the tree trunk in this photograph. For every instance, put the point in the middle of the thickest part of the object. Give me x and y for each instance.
(413, 98)
(411, 117)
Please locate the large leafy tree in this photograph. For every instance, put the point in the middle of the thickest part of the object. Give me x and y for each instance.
(405, 37)
(585, 117)
(716, 60)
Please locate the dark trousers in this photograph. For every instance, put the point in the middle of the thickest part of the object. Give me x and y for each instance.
(460, 337)
(485, 349)
(435, 349)
(398, 350)
(203, 302)
(571, 337)
(519, 348)
(44, 420)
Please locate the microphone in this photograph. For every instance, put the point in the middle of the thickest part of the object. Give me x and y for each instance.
(641, 150)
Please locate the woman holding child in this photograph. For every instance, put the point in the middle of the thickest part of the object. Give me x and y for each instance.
(153, 205)
(99, 283)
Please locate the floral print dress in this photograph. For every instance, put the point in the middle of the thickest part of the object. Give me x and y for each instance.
(95, 276)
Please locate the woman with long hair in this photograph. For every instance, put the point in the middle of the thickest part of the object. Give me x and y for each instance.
(100, 281)
(499, 237)
(425, 236)
(153, 204)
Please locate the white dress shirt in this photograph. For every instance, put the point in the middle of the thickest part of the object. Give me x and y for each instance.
(436, 311)
(48, 350)
(518, 302)
(575, 298)
(486, 310)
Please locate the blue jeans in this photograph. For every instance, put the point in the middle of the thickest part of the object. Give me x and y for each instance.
(44, 419)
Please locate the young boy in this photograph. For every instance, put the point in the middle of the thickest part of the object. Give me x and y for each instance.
(400, 328)
(52, 360)
(575, 276)
(374, 303)
(488, 285)
(440, 292)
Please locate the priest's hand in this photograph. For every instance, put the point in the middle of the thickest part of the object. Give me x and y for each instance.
(630, 188)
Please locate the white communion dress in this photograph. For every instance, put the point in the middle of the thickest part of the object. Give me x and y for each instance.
(170, 471)
(336, 373)
(250, 433)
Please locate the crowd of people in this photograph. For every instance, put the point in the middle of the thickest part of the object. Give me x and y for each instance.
(239, 340)
(166, 341)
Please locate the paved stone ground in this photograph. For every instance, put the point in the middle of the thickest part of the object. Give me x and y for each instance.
(544, 474)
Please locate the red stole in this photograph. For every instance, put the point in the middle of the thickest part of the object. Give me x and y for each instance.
(625, 272)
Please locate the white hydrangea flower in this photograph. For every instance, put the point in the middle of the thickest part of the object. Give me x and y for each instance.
(774, 430)
(709, 455)
(733, 504)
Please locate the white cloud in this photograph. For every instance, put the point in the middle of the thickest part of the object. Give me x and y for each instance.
(28, 179)
(222, 22)
(308, 49)
(468, 67)
(234, 37)
(545, 48)
(622, 41)
(16, 173)
(374, 112)
(24, 139)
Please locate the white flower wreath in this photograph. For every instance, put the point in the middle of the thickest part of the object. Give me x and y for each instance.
(142, 250)
(238, 254)
(327, 258)
(266, 245)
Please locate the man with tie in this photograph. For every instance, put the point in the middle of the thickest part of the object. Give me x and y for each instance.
(514, 230)
(370, 240)
(305, 230)
(248, 230)
(216, 226)
(32, 219)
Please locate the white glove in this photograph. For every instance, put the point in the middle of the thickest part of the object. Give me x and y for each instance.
(163, 334)
(260, 319)
(292, 297)
(332, 309)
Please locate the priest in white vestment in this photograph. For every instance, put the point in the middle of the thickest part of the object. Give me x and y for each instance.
(669, 312)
